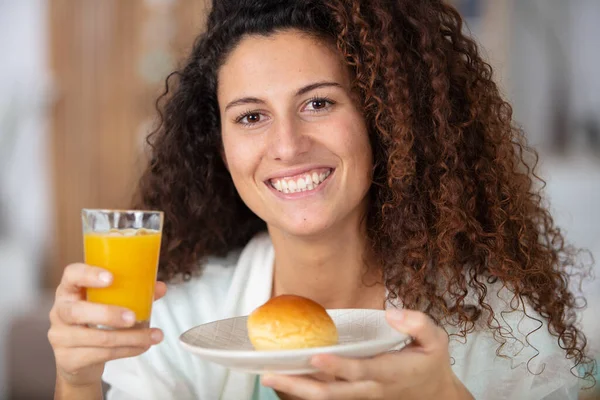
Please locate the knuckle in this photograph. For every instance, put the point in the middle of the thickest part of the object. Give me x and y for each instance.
(62, 313)
(77, 273)
(70, 312)
(357, 370)
(101, 314)
(106, 338)
(53, 314)
(52, 337)
(122, 352)
(72, 270)
(420, 320)
(112, 353)
(67, 363)
(104, 314)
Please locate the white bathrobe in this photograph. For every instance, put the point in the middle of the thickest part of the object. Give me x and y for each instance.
(236, 285)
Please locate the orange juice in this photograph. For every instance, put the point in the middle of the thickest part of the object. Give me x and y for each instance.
(132, 257)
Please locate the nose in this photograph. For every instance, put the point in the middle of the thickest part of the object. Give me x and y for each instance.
(287, 141)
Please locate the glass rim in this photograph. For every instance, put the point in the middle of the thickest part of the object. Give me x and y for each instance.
(118, 210)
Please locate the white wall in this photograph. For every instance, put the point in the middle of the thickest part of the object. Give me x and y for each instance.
(555, 42)
(535, 46)
(24, 165)
(554, 60)
(574, 194)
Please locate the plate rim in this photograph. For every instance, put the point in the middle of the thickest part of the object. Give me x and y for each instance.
(396, 339)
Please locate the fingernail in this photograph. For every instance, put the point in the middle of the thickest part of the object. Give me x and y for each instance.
(396, 315)
(105, 277)
(129, 317)
(156, 336)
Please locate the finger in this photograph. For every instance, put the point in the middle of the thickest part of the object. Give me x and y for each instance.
(347, 369)
(323, 377)
(72, 360)
(76, 336)
(425, 332)
(310, 389)
(160, 290)
(384, 368)
(78, 276)
(84, 312)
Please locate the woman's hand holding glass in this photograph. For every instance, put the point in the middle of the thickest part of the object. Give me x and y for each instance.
(81, 351)
(419, 371)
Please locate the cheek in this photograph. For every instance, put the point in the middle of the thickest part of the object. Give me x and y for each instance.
(354, 145)
(234, 158)
(359, 159)
(241, 159)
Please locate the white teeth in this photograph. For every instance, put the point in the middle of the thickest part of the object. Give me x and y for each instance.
(303, 184)
(315, 178)
(292, 186)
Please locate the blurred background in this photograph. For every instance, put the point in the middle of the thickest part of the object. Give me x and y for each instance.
(78, 81)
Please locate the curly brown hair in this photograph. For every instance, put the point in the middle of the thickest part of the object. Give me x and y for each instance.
(454, 196)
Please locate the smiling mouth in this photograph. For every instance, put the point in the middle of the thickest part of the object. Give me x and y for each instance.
(305, 182)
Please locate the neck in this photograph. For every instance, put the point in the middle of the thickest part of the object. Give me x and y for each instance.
(334, 269)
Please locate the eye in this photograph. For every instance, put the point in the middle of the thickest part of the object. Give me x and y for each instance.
(249, 118)
(318, 104)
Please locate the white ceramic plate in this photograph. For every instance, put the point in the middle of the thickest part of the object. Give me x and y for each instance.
(362, 333)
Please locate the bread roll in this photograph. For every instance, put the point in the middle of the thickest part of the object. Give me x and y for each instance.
(291, 322)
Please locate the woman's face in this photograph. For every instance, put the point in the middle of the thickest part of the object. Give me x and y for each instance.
(295, 142)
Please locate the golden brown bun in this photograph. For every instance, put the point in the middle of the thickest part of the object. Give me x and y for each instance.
(291, 322)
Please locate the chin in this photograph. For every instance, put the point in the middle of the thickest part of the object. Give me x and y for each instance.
(304, 227)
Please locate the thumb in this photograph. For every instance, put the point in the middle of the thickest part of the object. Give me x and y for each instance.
(420, 327)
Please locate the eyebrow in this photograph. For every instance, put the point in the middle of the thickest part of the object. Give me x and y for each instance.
(300, 92)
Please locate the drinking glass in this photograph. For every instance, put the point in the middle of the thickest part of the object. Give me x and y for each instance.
(126, 243)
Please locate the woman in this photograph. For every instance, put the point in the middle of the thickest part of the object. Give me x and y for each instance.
(359, 154)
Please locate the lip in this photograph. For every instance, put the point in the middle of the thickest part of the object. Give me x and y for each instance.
(288, 173)
(300, 195)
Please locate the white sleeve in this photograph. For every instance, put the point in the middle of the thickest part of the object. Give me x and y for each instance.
(553, 379)
(529, 365)
(116, 394)
(141, 378)
(564, 393)
(161, 373)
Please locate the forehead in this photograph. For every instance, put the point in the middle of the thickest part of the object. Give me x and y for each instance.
(282, 60)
